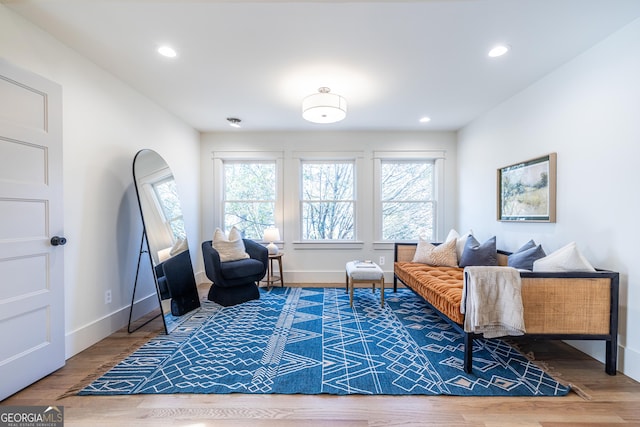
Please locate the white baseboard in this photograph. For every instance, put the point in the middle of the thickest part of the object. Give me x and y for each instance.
(89, 334)
(306, 276)
(324, 277)
(201, 277)
(629, 362)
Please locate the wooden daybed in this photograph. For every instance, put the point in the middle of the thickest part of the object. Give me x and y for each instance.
(563, 306)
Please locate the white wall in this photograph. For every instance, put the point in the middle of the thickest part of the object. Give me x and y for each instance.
(587, 112)
(327, 265)
(105, 123)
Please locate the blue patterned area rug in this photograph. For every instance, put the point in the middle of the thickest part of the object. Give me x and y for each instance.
(310, 341)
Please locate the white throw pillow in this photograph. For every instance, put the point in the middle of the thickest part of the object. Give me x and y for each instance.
(178, 247)
(234, 234)
(453, 234)
(229, 249)
(567, 258)
(441, 255)
(460, 240)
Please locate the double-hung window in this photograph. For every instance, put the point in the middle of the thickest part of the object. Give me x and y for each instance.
(407, 199)
(249, 196)
(328, 200)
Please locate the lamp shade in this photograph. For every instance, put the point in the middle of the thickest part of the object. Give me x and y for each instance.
(324, 107)
(272, 234)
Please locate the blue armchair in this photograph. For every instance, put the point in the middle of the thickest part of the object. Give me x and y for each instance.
(180, 282)
(177, 283)
(235, 282)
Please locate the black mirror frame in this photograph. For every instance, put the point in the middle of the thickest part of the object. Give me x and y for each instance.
(145, 243)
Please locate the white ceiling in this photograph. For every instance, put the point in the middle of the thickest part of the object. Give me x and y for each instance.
(393, 61)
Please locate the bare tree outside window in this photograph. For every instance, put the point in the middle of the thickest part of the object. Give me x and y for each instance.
(249, 196)
(407, 197)
(328, 200)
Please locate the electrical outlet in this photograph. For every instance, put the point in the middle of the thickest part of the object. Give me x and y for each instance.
(381, 260)
(107, 296)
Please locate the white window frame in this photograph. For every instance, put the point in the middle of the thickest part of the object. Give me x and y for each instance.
(330, 157)
(352, 201)
(219, 159)
(438, 159)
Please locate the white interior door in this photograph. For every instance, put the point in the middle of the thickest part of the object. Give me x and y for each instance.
(31, 268)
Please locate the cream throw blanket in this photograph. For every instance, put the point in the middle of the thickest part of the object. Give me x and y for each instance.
(492, 301)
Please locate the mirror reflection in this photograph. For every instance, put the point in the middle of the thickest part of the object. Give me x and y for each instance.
(166, 238)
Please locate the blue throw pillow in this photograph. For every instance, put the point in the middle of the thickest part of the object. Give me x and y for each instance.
(475, 253)
(524, 257)
(530, 244)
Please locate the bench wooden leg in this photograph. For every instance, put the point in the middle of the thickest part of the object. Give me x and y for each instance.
(351, 286)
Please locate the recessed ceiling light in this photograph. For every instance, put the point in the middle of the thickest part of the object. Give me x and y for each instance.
(234, 122)
(167, 51)
(425, 119)
(498, 50)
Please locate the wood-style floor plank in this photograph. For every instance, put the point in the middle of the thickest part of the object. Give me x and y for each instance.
(601, 400)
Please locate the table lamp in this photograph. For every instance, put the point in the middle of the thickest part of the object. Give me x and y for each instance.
(271, 235)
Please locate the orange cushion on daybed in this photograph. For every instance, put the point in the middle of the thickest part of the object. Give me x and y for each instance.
(441, 286)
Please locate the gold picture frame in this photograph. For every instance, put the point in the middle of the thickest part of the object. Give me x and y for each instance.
(527, 190)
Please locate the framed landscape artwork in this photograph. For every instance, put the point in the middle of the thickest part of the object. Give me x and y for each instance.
(527, 190)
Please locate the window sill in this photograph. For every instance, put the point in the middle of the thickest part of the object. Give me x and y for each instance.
(389, 244)
(332, 244)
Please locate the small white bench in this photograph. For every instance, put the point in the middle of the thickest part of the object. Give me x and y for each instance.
(364, 272)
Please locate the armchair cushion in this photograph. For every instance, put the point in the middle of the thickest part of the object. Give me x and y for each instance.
(241, 268)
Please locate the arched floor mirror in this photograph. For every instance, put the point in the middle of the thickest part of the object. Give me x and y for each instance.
(165, 240)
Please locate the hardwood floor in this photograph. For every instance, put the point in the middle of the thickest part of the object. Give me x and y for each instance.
(600, 400)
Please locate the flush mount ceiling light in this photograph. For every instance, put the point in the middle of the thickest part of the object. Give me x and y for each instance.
(499, 50)
(167, 51)
(425, 119)
(234, 122)
(324, 107)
